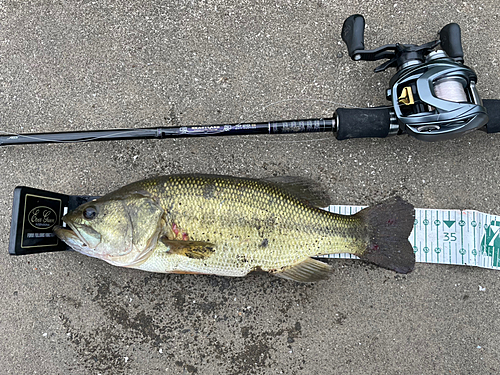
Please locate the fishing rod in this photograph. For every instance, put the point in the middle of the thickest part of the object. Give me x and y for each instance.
(433, 97)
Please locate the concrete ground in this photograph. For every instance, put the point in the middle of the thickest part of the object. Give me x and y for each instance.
(68, 65)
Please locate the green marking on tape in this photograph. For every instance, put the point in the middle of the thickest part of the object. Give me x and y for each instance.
(425, 222)
(449, 222)
(415, 248)
(437, 223)
(490, 243)
(462, 223)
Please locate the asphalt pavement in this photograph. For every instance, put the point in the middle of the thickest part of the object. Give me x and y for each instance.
(81, 65)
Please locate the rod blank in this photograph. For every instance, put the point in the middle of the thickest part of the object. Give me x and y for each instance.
(275, 127)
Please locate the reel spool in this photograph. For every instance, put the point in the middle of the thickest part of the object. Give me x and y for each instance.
(433, 94)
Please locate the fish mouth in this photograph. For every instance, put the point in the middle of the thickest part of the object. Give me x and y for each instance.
(74, 239)
(70, 237)
(77, 232)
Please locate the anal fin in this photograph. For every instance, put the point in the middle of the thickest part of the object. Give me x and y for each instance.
(190, 249)
(308, 271)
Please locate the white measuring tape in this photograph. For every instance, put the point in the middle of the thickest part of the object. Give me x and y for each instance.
(456, 237)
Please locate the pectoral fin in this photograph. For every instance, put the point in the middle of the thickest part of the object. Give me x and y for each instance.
(190, 249)
(308, 271)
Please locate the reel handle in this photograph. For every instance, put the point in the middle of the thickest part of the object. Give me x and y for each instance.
(451, 41)
(353, 34)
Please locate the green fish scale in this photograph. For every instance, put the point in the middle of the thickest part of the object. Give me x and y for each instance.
(253, 225)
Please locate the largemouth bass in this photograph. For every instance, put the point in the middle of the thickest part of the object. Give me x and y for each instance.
(231, 226)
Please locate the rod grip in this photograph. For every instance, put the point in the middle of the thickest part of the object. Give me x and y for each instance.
(493, 109)
(363, 122)
(353, 34)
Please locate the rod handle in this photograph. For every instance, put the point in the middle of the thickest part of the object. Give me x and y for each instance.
(363, 122)
(493, 109)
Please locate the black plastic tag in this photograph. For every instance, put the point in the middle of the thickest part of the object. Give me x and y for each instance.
(35, 212)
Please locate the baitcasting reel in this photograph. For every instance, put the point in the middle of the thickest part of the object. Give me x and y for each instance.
(433, 93)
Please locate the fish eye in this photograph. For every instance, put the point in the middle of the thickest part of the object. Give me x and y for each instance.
(90, 213)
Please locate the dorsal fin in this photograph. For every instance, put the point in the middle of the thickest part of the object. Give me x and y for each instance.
(303, 188)
(190, 249)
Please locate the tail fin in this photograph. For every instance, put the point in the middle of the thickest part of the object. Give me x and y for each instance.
(389, 225)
